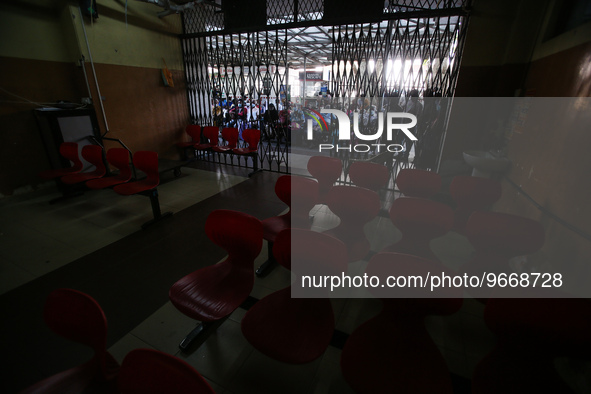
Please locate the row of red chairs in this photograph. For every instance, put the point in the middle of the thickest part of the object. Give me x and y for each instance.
(78, 317)
(145, 161)
(496, 237)
(299, 330)
(283, 329)
(230, 135)
(469, 193)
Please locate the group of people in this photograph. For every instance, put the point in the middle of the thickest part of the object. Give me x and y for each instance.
(241, 113)
(279, 121)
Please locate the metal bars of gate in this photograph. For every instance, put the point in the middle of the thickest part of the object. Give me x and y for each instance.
(235, 70)
(381, 64)
(416, 46)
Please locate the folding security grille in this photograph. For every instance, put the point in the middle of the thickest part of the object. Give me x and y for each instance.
(289, 11)
(202, 18)
(415, 48)
(398, 6)
(401, 61)
(241, 70)
(377, 59)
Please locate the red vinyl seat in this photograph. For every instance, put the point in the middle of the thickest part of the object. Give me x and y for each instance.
(393, 351)
(119, 158)
(94, 155)
(194, 132)
(149, 371)
(78, 317)
(230, 135)
(211, 134)
(471, 194)
(369, 175)
(300, 194)
(418, 183)
(355, 206)
(297, 330)
(326, 170)
(252, 138)
(531, 333)
(419, 220)
(147, 162)
(212, 293)
(68, 150)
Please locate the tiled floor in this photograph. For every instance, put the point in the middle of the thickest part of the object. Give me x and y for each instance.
(37, 238)
(93, 243)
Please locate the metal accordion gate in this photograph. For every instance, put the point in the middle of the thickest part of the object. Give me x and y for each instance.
(411, 50)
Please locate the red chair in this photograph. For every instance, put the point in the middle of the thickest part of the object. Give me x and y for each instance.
(418, 183)
(230, 135)
(326, 170)
(471, 194)
(193, 131)
(496, 238)
(355, 206)
(94, 155)
(78, 317)
(211, 133)
(147, 162)
(300, 195)
(419, 220)
(119, 158)
(251, 137)
(214, 292)
(369, 175)
(69, 151)
(148, 371)
(393, 352)
(532, 332)
(297, 330)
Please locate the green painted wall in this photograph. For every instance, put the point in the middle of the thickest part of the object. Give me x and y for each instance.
(141, 41)
(32, 30)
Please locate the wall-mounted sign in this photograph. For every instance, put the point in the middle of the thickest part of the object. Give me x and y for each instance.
(311, 76)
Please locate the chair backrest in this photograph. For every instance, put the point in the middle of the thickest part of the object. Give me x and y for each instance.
(252, 137)
(419, 217)
(147, 162)
(326, 170)
(69, 150)
(474, 192)
(418, 183)
(230, 135)
(119, 158)
(369, 175)
(504, 234)
(353, 205)
(94, 155)
(300, 194)
(212, 134)
(194, 131)
(78, 317)
(283, 189)
(304, 195)
(148, 371)
(240, 234)
(308, 252)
